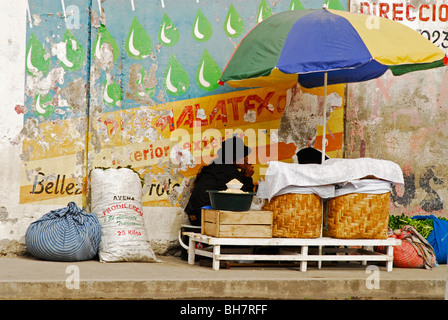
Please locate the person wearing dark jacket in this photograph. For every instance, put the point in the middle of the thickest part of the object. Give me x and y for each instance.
(230, 164)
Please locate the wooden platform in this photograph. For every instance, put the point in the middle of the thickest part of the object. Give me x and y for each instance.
(360, 254)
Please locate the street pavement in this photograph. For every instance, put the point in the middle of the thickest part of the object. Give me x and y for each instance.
(26, 278)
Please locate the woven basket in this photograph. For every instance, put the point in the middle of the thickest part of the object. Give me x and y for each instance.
(296, 216)
(357, 216)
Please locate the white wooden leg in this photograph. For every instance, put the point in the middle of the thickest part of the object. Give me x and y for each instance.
(191, 251)
(364, 262)
(390, 254)
(216, 253)
(304, 253)
(319, 263)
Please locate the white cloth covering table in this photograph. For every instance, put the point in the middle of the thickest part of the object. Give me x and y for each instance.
(303, 257)
(321, 179)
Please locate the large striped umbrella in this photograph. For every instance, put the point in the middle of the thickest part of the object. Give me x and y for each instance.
(324, 46)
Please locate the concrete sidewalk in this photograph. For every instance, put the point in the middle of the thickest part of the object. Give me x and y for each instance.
(27, 278)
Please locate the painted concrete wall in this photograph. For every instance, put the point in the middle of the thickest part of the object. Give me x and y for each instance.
(404, 119)
(121, 82)
(14, 219)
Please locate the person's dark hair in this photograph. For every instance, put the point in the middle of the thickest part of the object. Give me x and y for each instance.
(309, 155)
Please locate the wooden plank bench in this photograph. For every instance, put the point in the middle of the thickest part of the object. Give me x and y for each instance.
(303, 257)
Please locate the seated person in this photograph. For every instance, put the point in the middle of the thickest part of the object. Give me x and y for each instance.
(231, 163)
(310, 155)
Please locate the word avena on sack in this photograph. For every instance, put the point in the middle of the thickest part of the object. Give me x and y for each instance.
(114, 231)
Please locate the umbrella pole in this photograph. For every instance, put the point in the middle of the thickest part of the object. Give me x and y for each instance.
(324, 142)
(324, 134)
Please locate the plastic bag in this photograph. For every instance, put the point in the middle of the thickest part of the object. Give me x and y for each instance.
(438, 238)
(414, 251)
(66, 234)
(117, 202)
(406, 256)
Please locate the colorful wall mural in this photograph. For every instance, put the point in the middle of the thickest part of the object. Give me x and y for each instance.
(134, 83)
(56, 102)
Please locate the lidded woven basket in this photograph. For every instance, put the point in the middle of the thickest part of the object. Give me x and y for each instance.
(296, 215)
(357, 216)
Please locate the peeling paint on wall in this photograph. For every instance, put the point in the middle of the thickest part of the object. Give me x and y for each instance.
(56, 104)
(302, 120)
(90, 100)
(408, 126)
(405, 118)
(114, 90)
(174, 84)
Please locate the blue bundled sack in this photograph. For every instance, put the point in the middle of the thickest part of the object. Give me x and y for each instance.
(66, 234)
(438, 238)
